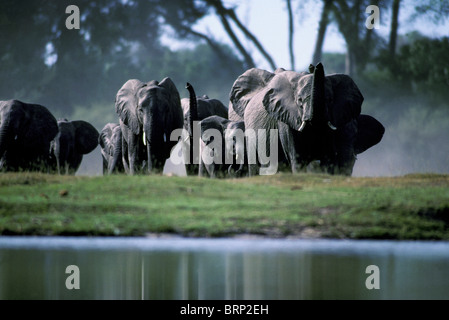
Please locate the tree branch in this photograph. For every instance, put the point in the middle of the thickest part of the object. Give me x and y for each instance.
(249, 35)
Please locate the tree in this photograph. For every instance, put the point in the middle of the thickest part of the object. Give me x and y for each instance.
(41, 60)
(229, 13)
(394, 27)
(350, 17)
(291, 32)
(324, 22)
(437, 10)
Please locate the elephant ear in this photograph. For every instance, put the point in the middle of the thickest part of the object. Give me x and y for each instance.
(86, 137)
(174, 99)
(281, 100)
(126, 102)
(369, 133)
(346, 99)
(105, 136)
(246, 87)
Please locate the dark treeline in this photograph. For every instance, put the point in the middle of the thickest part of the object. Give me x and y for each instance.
(44, 62)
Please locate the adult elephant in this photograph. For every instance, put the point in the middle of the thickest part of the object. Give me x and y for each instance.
(148, 113)
(110, 141)
(74, 139)
(222, 147)
(26, 131)
(316, 115)
(196, 109)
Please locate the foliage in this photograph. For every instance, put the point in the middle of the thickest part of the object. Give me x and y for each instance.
(44, 62)
(420, 67)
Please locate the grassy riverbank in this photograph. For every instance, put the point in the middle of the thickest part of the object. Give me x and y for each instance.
(303, 206)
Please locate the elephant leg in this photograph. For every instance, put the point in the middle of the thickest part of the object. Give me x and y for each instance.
(105, 165)
(251, 152)
(345, 149)
(125, 156)
(201, 169)
(58, 165)
(211, 169)
(201, 164)
(289, 147)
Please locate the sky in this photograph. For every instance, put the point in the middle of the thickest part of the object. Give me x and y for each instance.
(268, 20)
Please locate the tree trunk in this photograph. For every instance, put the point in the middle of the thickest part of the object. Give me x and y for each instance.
(394, 28)
(324, 22)
(291, 32)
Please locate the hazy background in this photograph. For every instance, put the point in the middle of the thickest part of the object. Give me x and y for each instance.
(402, 68)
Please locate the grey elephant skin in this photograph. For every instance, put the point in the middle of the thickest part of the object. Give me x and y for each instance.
(316, 115)
(196, 109)
(26, 131)
(148, 113)
(206, 107)
(228, 161)
(73, 141)
(110, 141)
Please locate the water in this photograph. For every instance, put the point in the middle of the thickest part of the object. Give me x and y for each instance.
(154, 268)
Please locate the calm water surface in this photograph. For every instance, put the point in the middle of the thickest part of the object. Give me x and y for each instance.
(151, 268)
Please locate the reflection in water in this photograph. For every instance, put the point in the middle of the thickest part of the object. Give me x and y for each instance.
(119, 268)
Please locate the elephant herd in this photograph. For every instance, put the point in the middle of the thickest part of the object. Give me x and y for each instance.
(298, 120)
(31, 139)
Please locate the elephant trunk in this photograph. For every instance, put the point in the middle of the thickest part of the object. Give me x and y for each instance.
(193, 108)
(147, 142)
(317, 99)
(192, 116)
(237, 172)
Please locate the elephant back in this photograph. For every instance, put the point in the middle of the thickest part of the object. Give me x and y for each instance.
(86, 136)
(206, 108)
(40, 126)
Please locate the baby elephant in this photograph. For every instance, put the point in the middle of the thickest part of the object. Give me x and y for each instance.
(222, 147)
(74, 139)
(110, 141)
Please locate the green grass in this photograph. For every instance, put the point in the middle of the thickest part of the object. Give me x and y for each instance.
(284, 205)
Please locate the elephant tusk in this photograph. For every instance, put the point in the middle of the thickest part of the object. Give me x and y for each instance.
(144, 139)
(303, 124)
(331, 126)
(237, 156)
